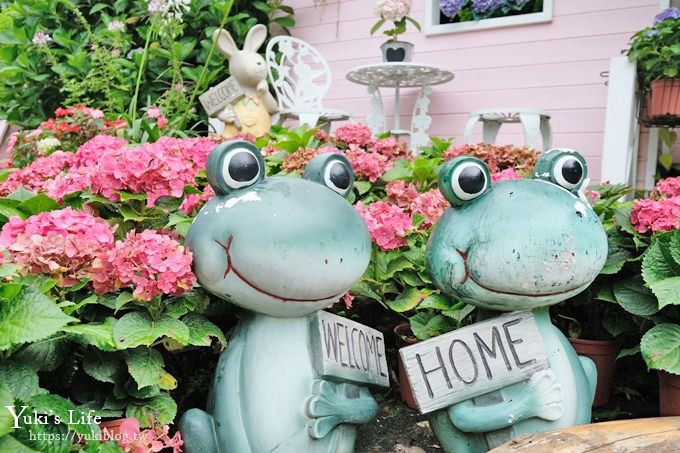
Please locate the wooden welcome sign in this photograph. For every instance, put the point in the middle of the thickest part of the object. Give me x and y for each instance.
(475, 360)
(349, 351)
(221, 95)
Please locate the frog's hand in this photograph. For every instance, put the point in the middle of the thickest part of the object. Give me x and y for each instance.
(591, 374)
(541, 397)
(198, 431)
(332, 404)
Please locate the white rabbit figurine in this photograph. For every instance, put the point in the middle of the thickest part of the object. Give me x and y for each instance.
(250, 113)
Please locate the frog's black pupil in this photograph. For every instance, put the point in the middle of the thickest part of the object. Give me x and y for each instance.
(243, 167)
(339, 175)
(572, 171)
(471, 180)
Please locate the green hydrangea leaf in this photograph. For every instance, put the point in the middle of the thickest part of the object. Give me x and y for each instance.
(6, 419)
(407, 300)
(667, 291)
(145, 366)
(37, 204)
(21, 379)
(9, 443)
(139, 329)
(99, 335)
(72, 416)
(45, 438)
(657, 265)
(635, 298)
(29, 316)
(203, 332)
(44, 355)
(103, 366)
(426, 325)
(161, 408)
(660, 347)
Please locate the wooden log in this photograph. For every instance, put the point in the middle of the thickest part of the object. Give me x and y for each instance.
(644, 434)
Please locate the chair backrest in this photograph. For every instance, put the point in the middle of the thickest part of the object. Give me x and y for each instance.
(298, 72)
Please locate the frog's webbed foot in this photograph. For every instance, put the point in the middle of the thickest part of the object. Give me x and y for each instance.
(198, 431)
(332, 404)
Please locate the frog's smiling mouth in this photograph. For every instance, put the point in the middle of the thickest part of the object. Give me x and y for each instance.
(469, 276)
(231, 269)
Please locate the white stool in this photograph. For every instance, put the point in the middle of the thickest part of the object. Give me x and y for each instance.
(533, 121)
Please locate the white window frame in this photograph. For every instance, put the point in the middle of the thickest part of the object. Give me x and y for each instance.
(433, 27)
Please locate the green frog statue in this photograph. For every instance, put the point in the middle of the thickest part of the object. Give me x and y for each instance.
(281, 248)
(505, 247)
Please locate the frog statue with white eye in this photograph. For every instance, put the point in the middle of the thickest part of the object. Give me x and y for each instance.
(509, 246)
(281, 248)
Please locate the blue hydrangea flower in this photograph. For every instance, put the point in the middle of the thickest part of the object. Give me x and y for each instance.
(450, 8)
(486, 6)
(667, 14)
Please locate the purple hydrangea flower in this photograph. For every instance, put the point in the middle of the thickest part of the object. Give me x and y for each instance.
(486, 6)
(667, 14)
(450, 8)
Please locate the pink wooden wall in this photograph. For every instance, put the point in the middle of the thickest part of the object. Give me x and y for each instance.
(554, 66)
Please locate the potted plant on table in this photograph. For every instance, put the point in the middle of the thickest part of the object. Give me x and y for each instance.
(656, 50)
(397, 12)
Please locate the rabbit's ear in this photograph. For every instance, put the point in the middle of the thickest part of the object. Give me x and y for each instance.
(225, 43)
(255, 38)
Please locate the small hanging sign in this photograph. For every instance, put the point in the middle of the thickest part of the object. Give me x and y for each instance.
(221, 95)
(349, 351)
(474, 360)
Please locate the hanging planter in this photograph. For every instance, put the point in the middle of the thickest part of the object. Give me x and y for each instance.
(664, 99)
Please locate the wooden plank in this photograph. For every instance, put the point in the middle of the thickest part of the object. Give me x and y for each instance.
(644, 434)
(221, 95)
(474, 360)
(346, 350)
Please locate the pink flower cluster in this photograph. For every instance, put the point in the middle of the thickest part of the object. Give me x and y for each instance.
(507, 174)
(132, 439)
(669, 187)
(370, 166)
(387, 224)
(106, 166)
(39, 174)
(497, 157)
(152, 262)
(430, 204)
(62, 244)
(656, 215)
(358, 134)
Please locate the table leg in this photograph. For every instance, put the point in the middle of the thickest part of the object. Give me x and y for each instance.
(376, 116)
(421, 120)
(397, 108)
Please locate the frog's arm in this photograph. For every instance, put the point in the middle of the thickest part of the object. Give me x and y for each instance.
(332, 404)
(591, 373)
(198, 431)
(541, 397)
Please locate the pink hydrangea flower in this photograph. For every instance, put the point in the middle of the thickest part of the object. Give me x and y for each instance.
(132, 439)
(89, 152)
(507, 174)
(401, 193)
(669, 187)
(369, 166)
(154, 112)
(387, 224)
(192, 202)
(431, 205)
(62, 244)
(390, 147)
(39, 173)
(358, 134)
(655, 215)
(151, 262)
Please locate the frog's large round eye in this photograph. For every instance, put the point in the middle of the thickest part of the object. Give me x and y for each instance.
(234, 165)
(333, 171)
(463, 179)
(568, 172)
(563, 167)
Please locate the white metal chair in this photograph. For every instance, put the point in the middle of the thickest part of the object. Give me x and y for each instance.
(301, 78)
(534, 122)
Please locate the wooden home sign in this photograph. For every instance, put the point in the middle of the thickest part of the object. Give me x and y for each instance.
(346, 350)
(474, 360)
(221, 95)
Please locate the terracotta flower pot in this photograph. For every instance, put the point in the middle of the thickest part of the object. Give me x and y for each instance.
(404, 337)
(603, 353)
(669, 394)
(665, 98)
